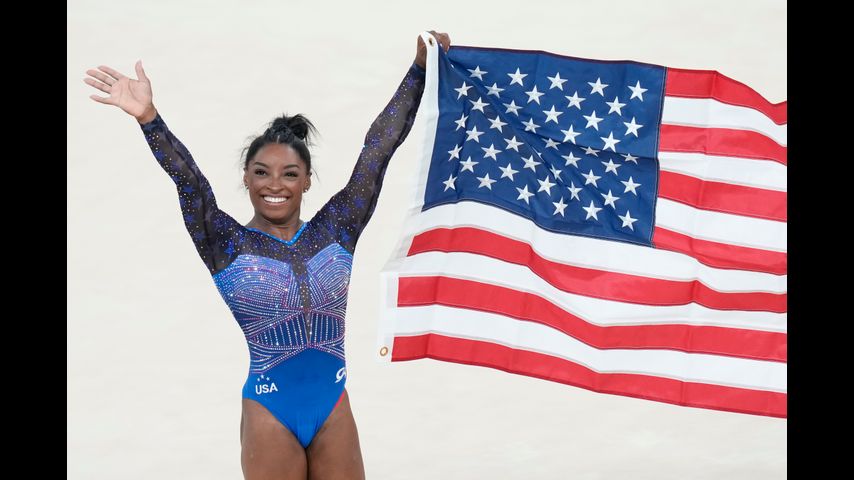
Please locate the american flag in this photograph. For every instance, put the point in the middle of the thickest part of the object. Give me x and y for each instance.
(612, 225)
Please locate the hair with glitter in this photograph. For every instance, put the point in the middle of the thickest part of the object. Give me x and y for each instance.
(296, 131)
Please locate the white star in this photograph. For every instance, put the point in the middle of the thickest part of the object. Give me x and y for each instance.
(610, 199)
(473, 134)
(512, 107)
(555, 172)
(591, 151)
(463, 90)
(512, 144)
(610, 142)
(590, 178)
(524, 194)
(534, 95)
(610, 166)
(508, 171)
(551, 143)
(591, 211)
(571, 159)
(559, 207)
(490, 152)
(592, 119)
(570, 134)
(546, 185)
(517, 77)
(637, 91)
(557, 82)
(494, 90)
(461, 123)
(485, 181)
(497, 123)
(478, 105)
(631, 158)
(616, 106)
(552, 114)
(449, 183)
(573, 191)
(631, 186)
(628, 220)
(575, 100)
(455, 153)
(598, 87)
(477, 73)
(632, 127)
(468, 165)
(531, 163)
(530, 126)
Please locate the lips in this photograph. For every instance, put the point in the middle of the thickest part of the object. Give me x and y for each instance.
(275, 200)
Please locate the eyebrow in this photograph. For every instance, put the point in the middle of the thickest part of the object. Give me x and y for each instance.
(293, 165)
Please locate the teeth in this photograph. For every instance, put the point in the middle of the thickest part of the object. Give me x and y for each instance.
(275, 199)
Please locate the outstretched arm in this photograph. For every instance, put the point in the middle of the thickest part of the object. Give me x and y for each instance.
(212, 230)
(348, 211)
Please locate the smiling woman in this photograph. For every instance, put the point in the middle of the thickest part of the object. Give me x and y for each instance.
(285, 281)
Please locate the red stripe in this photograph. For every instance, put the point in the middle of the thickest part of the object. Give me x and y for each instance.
(452, 292)
(722, 255)
(720, 141)
(723, 197)
(592, 282)
(523, 362)
(711, 84)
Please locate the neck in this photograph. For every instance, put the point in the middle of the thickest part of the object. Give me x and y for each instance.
(285, 231)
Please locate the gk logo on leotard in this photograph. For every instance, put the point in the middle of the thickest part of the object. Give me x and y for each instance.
(342, 372)
(264, 388)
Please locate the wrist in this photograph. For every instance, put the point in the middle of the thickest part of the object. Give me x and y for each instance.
(147, 116)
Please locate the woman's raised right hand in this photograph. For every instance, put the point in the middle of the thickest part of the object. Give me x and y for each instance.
(132, 96)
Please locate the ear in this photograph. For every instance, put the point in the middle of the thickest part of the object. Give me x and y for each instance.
(245, 179)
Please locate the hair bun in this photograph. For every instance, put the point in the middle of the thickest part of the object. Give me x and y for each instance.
(286, 126)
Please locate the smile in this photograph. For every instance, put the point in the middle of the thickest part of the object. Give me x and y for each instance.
(275, 200)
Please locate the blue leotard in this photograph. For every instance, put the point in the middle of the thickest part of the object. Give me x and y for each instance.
(290, 297)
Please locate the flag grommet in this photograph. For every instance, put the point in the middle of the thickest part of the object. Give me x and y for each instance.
(384, 351)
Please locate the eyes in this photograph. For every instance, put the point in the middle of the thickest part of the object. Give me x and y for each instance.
(262, 173)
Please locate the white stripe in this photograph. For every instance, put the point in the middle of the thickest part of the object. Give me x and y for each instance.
(747, 172)
(709, 113)
(721, 227)
(580, 251)
(689, 367)
(491, 271)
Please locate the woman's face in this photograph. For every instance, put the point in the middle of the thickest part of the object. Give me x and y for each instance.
(276, 178)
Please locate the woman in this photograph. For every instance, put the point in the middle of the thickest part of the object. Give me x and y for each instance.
(284, 280)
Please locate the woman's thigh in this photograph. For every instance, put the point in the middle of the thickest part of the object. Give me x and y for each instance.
(268, 449)
(335, 453)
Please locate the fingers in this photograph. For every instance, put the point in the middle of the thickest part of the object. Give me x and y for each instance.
(101, 76)
(110, 71)
(103, 100)
(140, 72)
(443, 39)
(100, 86)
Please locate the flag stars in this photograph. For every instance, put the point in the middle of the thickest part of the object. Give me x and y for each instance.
(598, 87)
(559, 207)
(632, 127)
(545, 185)
(531, 163)
(571, 160)
(478, 105)
(524, 194)
(591, 151)
(477, 73)
(473, 134)
(455, 153)
(468, 164)
(630, 186)
(517, 77)
(463, 90)
(610, 142)
(494, 90)
(610, 199)
(530, 126)
(592, 120)
(590, 178)
(551, 143)
(512, 108)
(496, 123)
(449, 183)
(631, 158)
(461, 123)
(534, 95)
(616, 106)
(628, 220)
(512, 144)
(573, 191)
(485, 181)
(575, 100)
(555, 172)
(570, 134)
(557, 82)
(551, 115)
(490, 152)
(637, 91)
(592, 210)
(610, 166)
(508, 171)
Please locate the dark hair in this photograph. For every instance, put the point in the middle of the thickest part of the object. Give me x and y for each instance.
(296, 131)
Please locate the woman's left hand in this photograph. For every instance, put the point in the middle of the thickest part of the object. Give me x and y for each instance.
(421, 51)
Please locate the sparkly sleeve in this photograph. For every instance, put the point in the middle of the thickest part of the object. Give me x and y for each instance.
(212, 230)
(349, 210)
